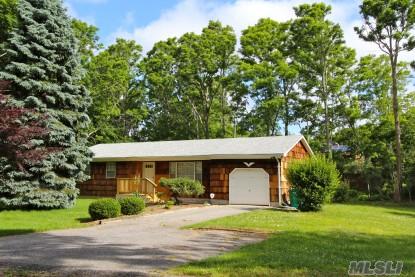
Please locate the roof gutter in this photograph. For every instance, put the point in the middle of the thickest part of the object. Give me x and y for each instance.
(187, 158)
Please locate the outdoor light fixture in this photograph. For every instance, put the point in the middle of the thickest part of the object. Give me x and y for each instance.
(212, 195)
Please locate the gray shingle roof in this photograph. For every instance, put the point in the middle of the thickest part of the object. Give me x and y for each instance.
(204, 149)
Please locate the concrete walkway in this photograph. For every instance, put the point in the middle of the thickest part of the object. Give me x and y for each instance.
(139, 246)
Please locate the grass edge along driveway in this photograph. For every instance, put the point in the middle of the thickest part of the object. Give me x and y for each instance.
(314, 244)
(17, 222)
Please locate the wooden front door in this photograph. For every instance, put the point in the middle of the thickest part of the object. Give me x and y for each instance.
(149, 170)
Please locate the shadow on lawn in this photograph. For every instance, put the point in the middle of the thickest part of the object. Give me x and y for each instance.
(405, 214)
(400, 209)
(9, 232)
(402, 206)
(84, 219)
(305, 254)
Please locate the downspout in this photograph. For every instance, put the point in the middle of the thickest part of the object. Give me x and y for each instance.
(279, 181)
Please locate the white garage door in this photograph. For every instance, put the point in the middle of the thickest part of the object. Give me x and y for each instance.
(249, 186)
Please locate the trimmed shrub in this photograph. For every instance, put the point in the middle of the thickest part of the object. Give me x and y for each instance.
(315, 179)
(182, 187)
(104, 208)
(131, 205)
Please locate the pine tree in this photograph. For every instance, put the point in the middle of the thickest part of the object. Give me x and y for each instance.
(45, 77)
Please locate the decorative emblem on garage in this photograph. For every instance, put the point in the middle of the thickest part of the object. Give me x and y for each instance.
(249, 164)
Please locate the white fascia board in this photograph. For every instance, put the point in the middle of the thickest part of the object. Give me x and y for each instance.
(188, 158)
(305, 143)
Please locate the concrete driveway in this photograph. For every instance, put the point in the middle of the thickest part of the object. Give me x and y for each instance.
(143, 245)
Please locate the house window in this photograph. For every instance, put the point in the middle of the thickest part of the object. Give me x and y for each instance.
(198, 171)
(191, 170)
(88, 171)
(111, 170)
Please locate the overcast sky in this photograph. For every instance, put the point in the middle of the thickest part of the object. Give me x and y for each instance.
(148, 21)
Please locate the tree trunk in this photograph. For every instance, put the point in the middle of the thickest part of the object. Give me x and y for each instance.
(223, 114)
(234, 127)
(326, 124)
(326, 110)
(207, 133)
(395, 104)
(287, 112)
(286, 119)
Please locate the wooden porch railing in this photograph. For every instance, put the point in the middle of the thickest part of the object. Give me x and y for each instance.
(143, 186)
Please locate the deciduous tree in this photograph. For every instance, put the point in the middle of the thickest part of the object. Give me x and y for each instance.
(20, 131)
(204, 62)
(88, 40)
(325, 62)
(170, 116)
(113, 80)
(8, 21)
(389, 24)
(270, 71)
(192, 84)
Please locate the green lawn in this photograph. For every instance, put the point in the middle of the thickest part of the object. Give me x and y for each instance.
(21, 222)
(314, 244)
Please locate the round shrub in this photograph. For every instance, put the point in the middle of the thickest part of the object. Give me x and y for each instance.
(315, 179)
(131, 205)
(104, 208)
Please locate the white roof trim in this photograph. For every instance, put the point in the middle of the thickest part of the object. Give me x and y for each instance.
(305, 144)
(187, 158)
(205, 149)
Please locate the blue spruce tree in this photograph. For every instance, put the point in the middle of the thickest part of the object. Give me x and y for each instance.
(44, 76)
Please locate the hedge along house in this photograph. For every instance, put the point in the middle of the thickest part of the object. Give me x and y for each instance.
(235, 170)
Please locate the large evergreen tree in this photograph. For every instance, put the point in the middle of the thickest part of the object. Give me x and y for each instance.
(44, 75)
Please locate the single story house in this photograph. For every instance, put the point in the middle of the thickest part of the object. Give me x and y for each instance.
(249, 170)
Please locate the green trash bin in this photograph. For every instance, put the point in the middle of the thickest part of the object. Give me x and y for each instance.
(294, 198)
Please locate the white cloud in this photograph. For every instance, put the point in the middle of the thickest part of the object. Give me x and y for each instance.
(73, 13)
(193, 15)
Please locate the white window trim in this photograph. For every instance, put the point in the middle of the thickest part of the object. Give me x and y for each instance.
(106, 170)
